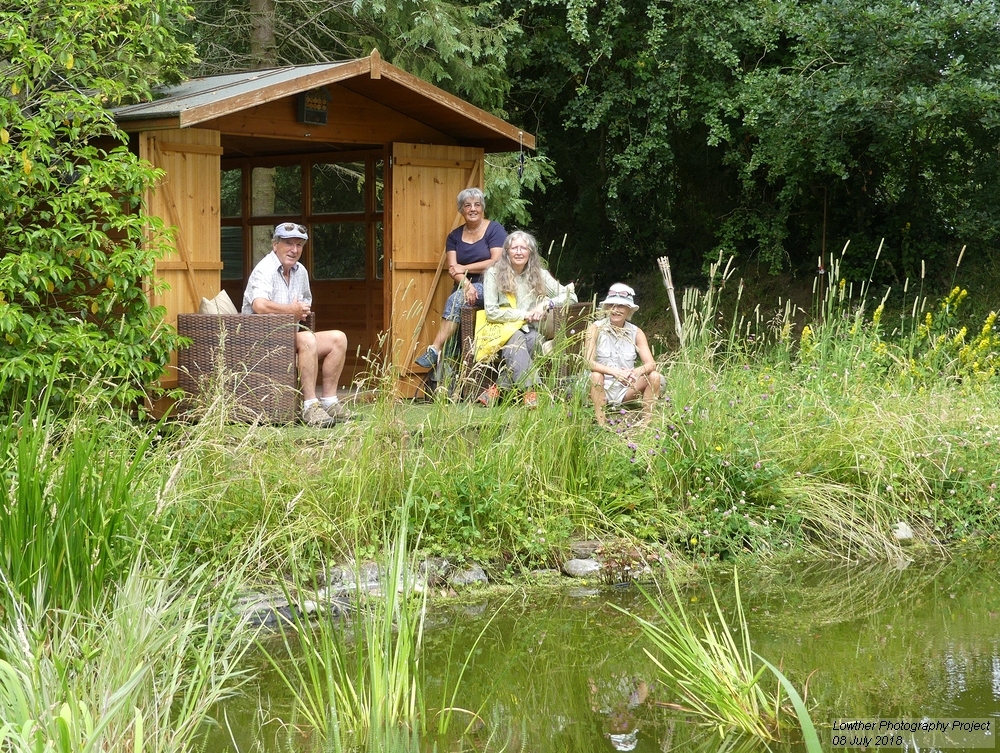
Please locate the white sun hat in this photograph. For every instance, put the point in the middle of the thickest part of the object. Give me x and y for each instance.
(622, 294)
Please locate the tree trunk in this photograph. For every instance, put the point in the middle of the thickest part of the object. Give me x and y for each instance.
(263, 48)
(263, 54)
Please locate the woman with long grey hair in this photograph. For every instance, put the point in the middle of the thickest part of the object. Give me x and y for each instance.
(519, 288)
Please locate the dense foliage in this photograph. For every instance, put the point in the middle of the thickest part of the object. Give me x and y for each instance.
(76, 248)
(768, 440)
(458, 45)
(771, 128)
(462, 47)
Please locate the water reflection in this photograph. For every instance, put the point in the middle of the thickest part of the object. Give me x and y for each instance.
(564, 671)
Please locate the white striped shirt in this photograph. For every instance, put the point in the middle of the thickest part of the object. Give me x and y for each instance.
(267, 281)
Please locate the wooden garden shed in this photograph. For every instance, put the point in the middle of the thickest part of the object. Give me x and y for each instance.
(370, 158)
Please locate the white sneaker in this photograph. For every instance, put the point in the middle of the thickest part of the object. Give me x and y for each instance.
(315, 415)
(338, 412)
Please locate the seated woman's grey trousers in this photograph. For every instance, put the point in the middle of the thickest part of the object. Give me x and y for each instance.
(517, 355)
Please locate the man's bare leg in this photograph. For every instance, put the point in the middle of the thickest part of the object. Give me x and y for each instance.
(331, 347)
(308, 356)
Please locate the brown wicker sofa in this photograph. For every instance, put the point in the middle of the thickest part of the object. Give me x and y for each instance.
(252, 355)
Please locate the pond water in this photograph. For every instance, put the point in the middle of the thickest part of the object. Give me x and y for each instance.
(562, 670)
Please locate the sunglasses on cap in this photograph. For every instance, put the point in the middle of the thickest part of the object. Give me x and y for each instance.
(286, 230)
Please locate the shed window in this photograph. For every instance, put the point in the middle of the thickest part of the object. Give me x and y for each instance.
(338, 187)
(338, 251)
(232, 253)
(339, 197)
(232, 193)
(277, 191)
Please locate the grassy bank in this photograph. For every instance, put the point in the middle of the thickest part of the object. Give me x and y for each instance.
(771, 438)
(768, 439)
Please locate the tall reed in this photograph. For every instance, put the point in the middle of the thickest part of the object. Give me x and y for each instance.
(359, 685)
(714, 672)
(69, 510)
(142, 670)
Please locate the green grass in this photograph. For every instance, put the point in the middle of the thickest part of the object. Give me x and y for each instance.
(142, 669)
(712, 670)
(360, 684)
(770, 439)
(69, 520)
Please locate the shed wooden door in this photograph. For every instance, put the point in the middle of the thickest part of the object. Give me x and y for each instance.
(426, 180)
(187, 199)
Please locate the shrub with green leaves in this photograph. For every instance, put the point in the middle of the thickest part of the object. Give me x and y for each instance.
(76, 246)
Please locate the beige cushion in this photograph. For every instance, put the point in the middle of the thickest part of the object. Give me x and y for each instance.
(221, 305)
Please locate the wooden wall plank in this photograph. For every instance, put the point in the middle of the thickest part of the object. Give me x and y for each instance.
(187, 198)
(174, 146)
(425, 183)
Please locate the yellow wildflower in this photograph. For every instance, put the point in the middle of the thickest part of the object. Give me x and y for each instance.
(806, 344)
(988, 324)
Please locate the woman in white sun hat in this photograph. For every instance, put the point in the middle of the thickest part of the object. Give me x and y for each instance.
(612, 346)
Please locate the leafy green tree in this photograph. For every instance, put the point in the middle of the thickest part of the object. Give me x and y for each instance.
(460, 46)
(76, 247)
(769, 128)
(891, 109)
(616, 117)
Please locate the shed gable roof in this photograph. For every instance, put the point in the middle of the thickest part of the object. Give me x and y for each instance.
(202, 99)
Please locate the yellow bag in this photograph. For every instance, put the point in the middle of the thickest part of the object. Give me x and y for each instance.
(491, 336)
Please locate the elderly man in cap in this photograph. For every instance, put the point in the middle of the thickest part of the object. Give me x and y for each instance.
(612, 346)
(279, 284)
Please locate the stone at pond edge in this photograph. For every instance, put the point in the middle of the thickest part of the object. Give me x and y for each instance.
(577, 568)
(584, 549)
(902, 532)
(351, 576)
(467, 577)
(266, 611)
(434, 571)
(368, 576)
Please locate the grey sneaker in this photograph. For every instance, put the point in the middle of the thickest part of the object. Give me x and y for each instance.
(339, 412)
(316, 416)
(429, 359)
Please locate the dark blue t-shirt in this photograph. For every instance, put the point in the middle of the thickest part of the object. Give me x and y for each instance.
(470, 253)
